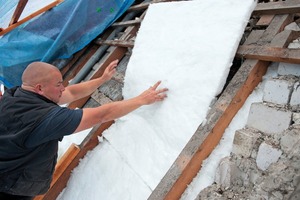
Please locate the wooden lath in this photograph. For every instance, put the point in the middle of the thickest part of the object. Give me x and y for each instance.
(127, 23)
(273, 54)
(118, 43)
(14, 21)
(280, 7)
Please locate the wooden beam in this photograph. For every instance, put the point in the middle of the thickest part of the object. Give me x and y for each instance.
(119, 43)
(273, 54)
(284, 38)
(280, 7)
(265, 20)
(13, 26)
(127, 23)
(277, 25)
(18, 11)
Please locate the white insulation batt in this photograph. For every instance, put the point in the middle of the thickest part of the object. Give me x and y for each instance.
(189, 46)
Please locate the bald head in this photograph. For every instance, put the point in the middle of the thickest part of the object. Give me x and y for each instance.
(38, 73)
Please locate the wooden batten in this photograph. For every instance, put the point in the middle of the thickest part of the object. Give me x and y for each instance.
(127, 23)
(118, 43)
(265, 20)
(273, 54)
(280, 7)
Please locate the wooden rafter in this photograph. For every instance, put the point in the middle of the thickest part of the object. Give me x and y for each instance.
(119, 43)
(16, 24)
(127, 23)
(20, 7)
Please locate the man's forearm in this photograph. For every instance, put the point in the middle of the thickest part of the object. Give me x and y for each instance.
(107, 112)
(80, 90)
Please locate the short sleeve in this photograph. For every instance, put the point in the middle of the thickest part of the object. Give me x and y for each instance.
(59, 122)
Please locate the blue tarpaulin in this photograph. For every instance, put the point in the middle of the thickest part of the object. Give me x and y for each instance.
(58, 33)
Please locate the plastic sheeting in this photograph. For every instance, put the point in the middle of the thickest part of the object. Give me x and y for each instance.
(57, 33)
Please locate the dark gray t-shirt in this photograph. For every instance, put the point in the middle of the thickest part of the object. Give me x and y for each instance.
(59, 122)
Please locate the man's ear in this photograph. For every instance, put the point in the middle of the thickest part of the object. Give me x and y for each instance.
(38, 88)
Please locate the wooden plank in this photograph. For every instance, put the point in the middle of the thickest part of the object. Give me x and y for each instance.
(265, 20)
(280, 7)
(284, 38)
(127, 23)
(277, 25)
(13, 26)
(207, 136)
(118, 43)
(273, 54)
(101, 98)
(18, 11)
(254, 36)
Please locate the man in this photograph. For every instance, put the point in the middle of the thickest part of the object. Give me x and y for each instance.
(32, 123)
